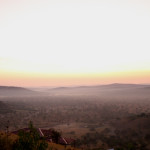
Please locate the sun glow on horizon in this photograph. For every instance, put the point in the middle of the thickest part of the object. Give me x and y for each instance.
(70, 42)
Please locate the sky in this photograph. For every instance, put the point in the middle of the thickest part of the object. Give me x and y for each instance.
(74, 42)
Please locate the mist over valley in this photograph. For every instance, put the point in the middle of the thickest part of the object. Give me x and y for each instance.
(96, 116)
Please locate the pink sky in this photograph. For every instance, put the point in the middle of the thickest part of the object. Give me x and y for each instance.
(52, 43)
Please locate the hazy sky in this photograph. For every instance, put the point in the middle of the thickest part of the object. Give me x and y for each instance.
(73, 42)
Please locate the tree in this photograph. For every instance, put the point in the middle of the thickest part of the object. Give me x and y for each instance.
(30, 140)
(56, 136)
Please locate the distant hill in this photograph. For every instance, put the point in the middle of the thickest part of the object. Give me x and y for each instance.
(119, 85)
(105, 91)
(16, 91)
(107, 86)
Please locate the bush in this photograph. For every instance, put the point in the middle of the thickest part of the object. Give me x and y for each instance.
(30, 140)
